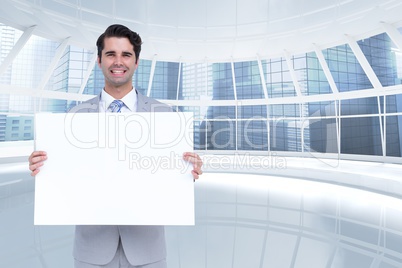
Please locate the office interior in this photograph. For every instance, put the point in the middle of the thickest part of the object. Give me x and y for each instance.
(297, 116)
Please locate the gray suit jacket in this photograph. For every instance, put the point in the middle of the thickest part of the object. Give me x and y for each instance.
(98, 244)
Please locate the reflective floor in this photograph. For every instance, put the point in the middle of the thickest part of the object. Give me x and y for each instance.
(242, 221)
(260, 221)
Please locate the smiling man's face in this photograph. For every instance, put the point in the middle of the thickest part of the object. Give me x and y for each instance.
(118, 64)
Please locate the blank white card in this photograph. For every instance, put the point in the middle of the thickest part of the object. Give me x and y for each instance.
(114, 169)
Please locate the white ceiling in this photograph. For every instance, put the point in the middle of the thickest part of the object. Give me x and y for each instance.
(213, 30)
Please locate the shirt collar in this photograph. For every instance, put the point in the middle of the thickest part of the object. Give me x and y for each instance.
(130, 100)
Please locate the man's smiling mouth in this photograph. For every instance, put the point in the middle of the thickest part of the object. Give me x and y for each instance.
(118, 71)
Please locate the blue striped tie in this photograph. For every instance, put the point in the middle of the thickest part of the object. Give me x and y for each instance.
(115, 106)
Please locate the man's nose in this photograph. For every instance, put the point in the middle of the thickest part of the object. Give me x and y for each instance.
(118, 60)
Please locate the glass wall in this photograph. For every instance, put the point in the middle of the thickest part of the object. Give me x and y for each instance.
(278, 78)
(252, 105)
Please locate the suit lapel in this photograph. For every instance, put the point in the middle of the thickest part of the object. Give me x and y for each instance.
(142, 103)
(95, 103)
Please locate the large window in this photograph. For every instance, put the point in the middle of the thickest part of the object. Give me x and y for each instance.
(278, 78)
(346, 69)
(286, 104)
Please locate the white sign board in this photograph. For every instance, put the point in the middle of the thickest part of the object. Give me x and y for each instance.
(114, 169)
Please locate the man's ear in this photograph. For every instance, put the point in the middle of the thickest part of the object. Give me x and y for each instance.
(99, 61)
(136, 64)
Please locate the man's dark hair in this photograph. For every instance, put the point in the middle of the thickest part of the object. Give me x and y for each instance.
(121, 31)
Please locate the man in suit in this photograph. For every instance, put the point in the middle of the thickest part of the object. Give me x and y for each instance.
(119, 246)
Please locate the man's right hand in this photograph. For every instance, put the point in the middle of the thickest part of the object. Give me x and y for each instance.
(36, 160)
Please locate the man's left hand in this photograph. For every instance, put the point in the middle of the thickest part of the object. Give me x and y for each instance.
(195, 159)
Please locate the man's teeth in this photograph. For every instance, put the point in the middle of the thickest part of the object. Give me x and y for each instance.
(117, 72)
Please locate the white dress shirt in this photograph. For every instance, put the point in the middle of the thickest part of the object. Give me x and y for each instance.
(130, 102)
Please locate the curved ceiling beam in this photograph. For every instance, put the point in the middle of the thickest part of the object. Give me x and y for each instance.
(59, 53)
(363, 62)
(17, 48)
